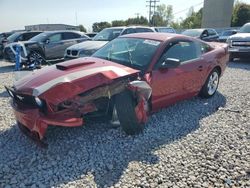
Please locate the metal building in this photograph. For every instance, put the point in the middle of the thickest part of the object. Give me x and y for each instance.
(217, 13)
(51, 27)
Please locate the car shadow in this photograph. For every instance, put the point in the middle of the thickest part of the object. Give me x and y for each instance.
(240, 64)
(99, 152)
(4, 94)
(6, 69)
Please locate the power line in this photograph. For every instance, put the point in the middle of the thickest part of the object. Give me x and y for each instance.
(188, 8)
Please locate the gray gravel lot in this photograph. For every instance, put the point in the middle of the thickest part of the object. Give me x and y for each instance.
(194, 143)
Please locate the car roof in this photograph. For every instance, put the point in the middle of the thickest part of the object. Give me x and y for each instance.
(164, 27)
(115, 27)
(22, 32)
(59, 31)
(156, 36)
(247, 23)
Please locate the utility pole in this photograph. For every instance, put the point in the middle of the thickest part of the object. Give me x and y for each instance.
(152, 6)
(76, 17)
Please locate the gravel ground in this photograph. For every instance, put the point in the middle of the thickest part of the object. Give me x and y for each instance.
(194, 143)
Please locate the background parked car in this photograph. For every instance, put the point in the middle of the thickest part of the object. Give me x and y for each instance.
(165, 29)
(239, 44)
(49, 46)
(21, 36)
(89, 47)
(225, 34)
(3, 36)
(206, 34)
(15, 37)
(91, 35)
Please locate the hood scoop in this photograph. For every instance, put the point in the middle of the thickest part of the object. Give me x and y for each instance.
(72, 64)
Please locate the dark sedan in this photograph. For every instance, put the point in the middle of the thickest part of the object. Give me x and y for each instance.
(203, 34)
(226, 34)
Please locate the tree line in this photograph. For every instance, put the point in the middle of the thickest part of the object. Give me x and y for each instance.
(164, 17)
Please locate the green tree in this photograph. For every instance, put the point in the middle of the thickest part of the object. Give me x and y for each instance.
(193, 21)
(241, 14)
(98, 26)
(163, 15)
(137, 21)
(176, 25)
(82, 28)
(117, 23)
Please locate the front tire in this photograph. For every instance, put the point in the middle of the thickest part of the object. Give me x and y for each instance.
(125, 104)
(211, 85)
(35, 60)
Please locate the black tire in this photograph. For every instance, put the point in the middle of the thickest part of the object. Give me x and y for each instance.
(35, 60)
(205, 92)
(125, 105)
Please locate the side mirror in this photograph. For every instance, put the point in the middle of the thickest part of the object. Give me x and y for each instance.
(170, 63)
(47, 41)
(234, 32)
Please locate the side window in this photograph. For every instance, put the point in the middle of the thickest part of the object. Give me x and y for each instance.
(28, 36)
(205, 33)
(55, 38)
(68, 36)
(205, 48)
(128, 31)
(33, 34)
(211, 32)
(19, 38)
(182, 50)
(141, 30)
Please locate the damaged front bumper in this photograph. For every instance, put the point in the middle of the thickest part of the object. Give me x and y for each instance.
(34, 115)
(34, 122)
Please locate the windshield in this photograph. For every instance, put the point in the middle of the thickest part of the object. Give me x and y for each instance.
(131, 52)
(39, 38)
(245, 29)
(108, 34)
(227, 33)
(13, 37)
(192, 32)
(165, 30)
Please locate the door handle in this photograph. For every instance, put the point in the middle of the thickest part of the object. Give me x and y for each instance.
(200, 68)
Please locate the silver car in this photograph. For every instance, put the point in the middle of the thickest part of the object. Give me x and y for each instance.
(87, 48)
(239, 44)
(45, 47)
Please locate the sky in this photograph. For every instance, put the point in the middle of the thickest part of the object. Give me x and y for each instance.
(15, 14)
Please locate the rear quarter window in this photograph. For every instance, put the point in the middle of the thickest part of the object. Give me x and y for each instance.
(205, 48)
(68, 36)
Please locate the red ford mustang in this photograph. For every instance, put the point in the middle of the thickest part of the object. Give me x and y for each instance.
(126, 80)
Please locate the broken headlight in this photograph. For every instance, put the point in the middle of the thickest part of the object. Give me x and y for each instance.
(39, 102)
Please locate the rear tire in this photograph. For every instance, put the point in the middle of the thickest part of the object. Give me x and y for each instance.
(125, 105)
(211, 84)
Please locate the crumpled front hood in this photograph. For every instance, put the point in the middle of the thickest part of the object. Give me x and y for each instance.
(88, 45)
(64, 80)
(240, 37)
